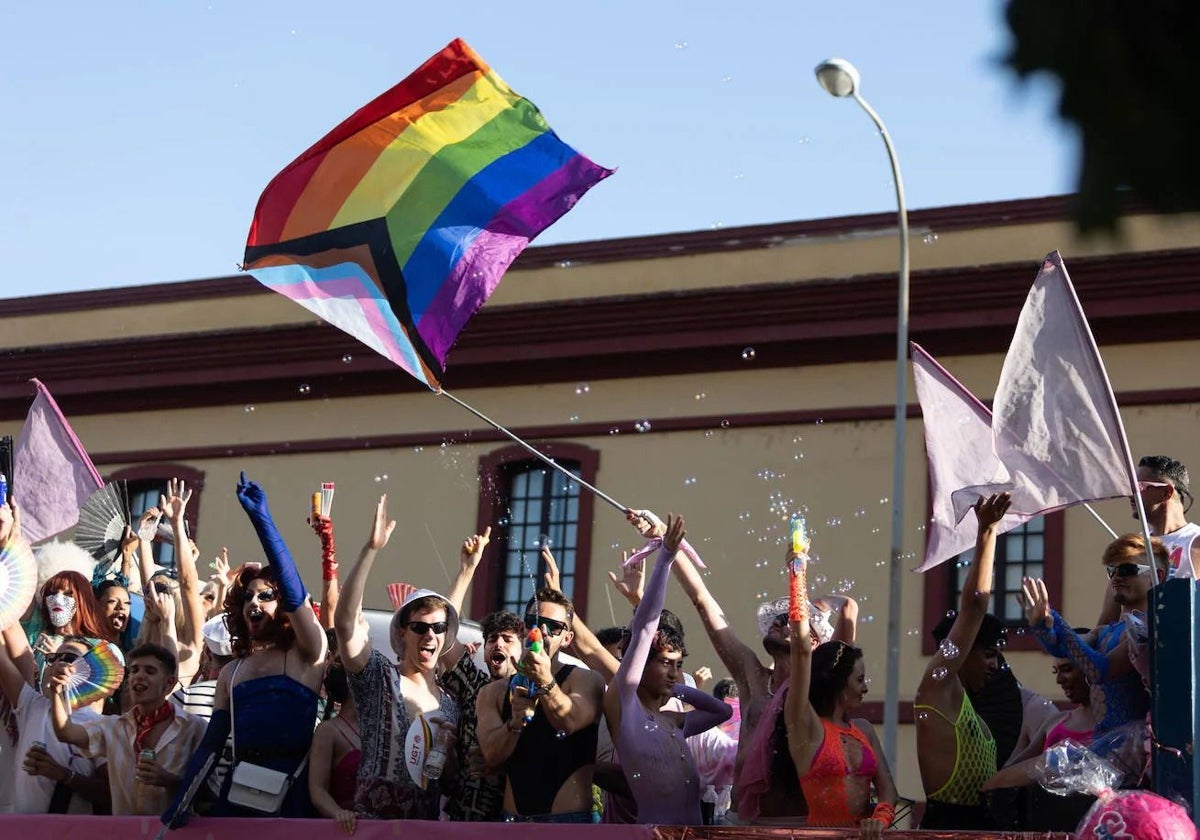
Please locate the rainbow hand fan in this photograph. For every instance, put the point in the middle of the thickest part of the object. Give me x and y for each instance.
(18, 581)
(98, 673)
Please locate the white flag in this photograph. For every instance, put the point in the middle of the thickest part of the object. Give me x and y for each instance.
(1055, 425)
(958, 444)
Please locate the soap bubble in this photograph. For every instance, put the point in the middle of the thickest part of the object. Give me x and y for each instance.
(681, 45)
(651, 725)
(561, 734)
(249, 409)
(642, 426)
(940, 672)
(305, 389)
(347, 359)
(748, 354)
(724, 424)
(929, 238)
(948, 649)
(582, 388)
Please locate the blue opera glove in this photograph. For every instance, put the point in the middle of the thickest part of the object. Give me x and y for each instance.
(203, 760)
(254, 501)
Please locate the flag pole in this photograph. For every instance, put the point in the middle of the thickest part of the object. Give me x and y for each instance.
(1131, 471)
(1100, 519)
(550, 462)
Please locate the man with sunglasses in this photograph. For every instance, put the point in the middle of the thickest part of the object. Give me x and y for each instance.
(544, 737)
(1164, 486)
(392, 698)
(1118, 695)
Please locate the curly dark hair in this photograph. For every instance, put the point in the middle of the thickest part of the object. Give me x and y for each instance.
(832, 665)
(501, 621)
(235, 619)
(668, 639)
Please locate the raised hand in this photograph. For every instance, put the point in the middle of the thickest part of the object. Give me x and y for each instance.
(632, 583)
(381, 526)
(1036, 602)
(552, 578)
(148, 524)
(253, 497)
(129, 542)
(223, 574)
(175, 501)
(472, 548)
(646, 523)
(702, 676)
(675, 532)
(989, 511)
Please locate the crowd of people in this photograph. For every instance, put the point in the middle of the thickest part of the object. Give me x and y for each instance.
(243, 696)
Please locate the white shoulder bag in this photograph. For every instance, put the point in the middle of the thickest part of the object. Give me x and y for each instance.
(254, 786)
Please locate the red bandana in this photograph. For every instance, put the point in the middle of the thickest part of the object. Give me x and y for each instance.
(145, 723)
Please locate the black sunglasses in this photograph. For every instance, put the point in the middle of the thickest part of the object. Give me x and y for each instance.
(553, 627)
(263, 596)
(67, 656)
(1126, 570)
(423, 627)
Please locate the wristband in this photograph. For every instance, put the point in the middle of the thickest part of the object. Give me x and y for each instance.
(885, 813)
(547, 687)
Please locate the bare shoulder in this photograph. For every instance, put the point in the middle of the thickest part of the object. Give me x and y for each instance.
(583, 679)
(492, 692)
(865, 727)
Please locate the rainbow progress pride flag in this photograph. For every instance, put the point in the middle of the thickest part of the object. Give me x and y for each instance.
(398, 225)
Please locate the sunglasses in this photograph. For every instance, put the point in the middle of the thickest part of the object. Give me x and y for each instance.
(780, 620)
(67, 656)
(1126, 570)
(264, 596)
(423, 627)
(553, 627)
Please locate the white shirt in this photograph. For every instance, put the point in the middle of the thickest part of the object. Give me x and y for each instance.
(1179, 545)
(112, 737)
(31, 794)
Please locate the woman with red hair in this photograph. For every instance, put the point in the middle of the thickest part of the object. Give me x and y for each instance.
(69, 608)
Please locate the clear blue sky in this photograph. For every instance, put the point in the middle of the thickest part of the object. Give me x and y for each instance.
(137, 136)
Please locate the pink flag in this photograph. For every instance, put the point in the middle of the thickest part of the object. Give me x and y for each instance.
(1056, 428)
(958, 444)
(52, 474)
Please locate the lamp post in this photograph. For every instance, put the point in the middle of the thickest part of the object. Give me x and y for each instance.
(840, 78)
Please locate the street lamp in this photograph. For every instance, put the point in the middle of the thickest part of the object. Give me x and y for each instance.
(840, 78)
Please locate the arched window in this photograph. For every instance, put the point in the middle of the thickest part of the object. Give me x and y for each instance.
(528, 504)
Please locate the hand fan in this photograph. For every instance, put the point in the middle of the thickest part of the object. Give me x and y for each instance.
(102, 521)
(18, 581)
(98, 673)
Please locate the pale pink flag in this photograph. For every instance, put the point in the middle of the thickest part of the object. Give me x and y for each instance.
(52, 473)
(397, 592)
(958, 445)
(1055, 425)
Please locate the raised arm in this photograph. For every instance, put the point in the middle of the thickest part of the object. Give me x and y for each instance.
(804, 729)
(353, 641)
(60, 711)
(147, 528)
(310, 637)
(645, 618)
(976, 592)
(13, 677)
(468, 563)
(737, 657)
(586, 646)
(1060, 639)
(191, 625)
(323, 526)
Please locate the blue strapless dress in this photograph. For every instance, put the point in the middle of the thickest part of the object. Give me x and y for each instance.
(273, 727)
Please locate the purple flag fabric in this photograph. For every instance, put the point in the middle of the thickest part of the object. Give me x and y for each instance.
(1055, 425)
(958, 445)
(52, 474)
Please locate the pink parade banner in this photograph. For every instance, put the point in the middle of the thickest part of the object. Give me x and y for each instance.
(68, 827)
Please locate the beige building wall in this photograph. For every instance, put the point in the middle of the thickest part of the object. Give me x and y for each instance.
(733, 478)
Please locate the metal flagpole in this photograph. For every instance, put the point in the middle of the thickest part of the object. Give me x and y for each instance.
(550, 462)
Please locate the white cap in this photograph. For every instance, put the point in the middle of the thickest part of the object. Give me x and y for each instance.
(216, 636)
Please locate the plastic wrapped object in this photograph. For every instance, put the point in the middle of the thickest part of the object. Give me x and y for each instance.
(1069, 767)
(1135, 815)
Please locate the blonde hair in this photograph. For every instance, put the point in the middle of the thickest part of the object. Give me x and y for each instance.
(1128, 547)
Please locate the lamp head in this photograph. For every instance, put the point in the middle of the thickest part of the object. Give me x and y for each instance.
(838, 76)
